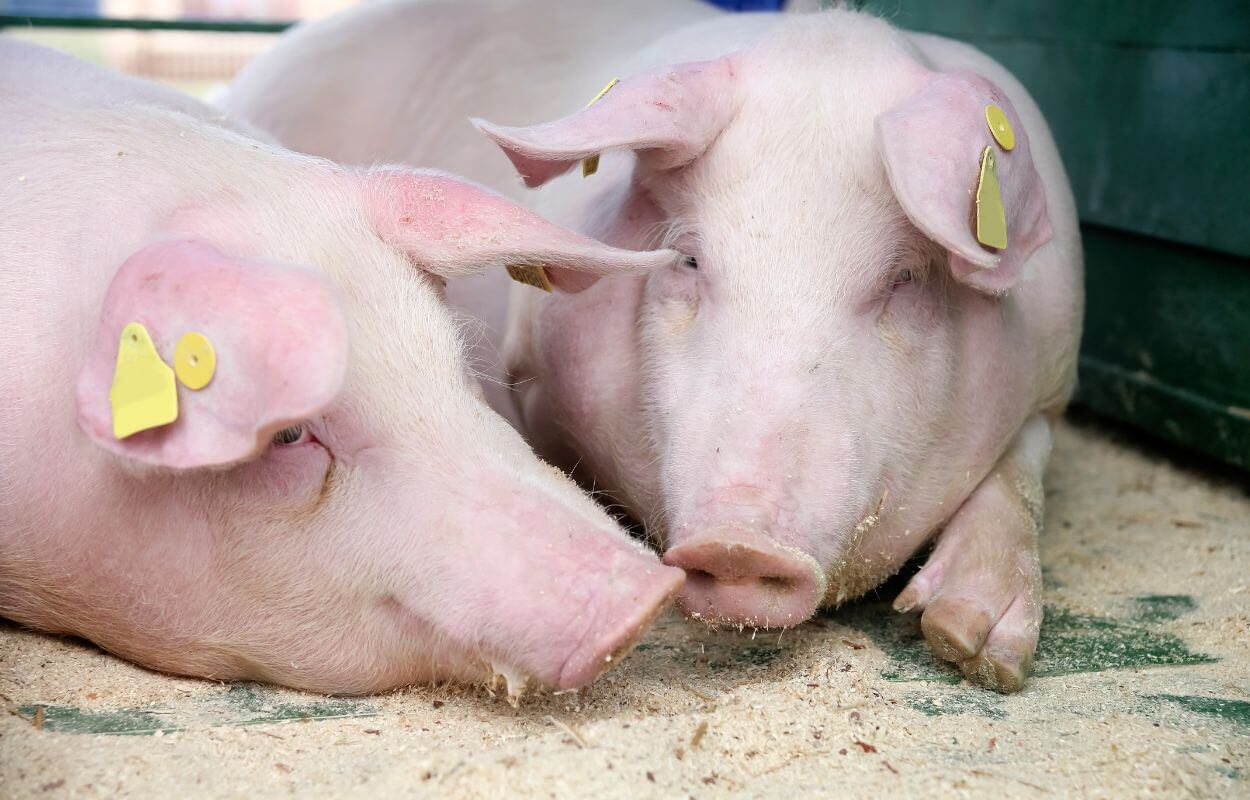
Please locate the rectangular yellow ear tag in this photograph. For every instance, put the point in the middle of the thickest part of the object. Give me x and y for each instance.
(991, 217)
(143, 394)
(590, 164)
(530, 275)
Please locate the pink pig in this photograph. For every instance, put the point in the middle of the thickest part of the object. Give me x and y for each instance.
(337, 509)
(839, 370)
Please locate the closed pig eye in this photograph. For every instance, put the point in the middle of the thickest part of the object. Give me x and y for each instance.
(296, 434)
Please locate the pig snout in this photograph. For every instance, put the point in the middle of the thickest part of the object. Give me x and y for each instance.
(633, 592)
(741, 576)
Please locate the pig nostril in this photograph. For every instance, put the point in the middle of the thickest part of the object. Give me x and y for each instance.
(700, 577)
(776, 584)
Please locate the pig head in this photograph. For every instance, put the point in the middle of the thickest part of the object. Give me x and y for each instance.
(335, 508)
(798, 404)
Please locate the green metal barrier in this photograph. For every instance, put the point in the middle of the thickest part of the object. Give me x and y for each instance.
(116, 23)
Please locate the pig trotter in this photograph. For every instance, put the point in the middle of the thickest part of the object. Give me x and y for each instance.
(980, 591)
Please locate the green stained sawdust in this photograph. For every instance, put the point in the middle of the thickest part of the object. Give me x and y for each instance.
(122, 722)
(1070, 642)
(239, 704)
(1236, 712)
(982, 704)
(1162, 607)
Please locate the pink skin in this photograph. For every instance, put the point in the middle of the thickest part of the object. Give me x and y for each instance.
(396, 531)
(846, 370)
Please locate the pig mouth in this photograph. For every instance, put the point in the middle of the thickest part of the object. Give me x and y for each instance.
(608, 634)
(588, 661)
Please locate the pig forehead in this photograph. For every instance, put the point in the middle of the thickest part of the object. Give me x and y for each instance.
(805, 215)
(796, 181)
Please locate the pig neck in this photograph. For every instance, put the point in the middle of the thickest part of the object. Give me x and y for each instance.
(586, 411)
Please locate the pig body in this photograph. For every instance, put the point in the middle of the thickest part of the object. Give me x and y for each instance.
(337, 509)
(839, 371)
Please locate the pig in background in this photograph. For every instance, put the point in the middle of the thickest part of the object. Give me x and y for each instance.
(838, 370)
(337, 510)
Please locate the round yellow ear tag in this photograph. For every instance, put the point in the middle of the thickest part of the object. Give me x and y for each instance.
(194, 361)
(1000, 127)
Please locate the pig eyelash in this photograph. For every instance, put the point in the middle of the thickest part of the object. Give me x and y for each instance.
(295, 434)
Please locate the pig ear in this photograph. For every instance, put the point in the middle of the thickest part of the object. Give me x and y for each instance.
(932, 145)
(670, 116)
(279, 354)
(452, 227)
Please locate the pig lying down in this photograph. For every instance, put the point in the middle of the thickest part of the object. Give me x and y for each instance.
(238, 438)
(875, 324)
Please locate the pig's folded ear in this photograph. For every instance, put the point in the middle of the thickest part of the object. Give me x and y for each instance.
(934, 145)
(669, 116)
(200, 358)
(451, 227)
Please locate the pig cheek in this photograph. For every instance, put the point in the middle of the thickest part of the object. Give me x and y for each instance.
(669, 332)
(290, 477)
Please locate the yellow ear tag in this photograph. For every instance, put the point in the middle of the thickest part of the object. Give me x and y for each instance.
(194, 361)
(143, 394)
(991, 218)
(530, 275)
(590, 164)
(1000, 127)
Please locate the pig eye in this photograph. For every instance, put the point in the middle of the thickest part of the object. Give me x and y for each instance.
(903, 277)
(690, 262)
(292, 435)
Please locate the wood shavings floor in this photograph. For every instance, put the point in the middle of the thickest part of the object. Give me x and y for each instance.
(1142, 687)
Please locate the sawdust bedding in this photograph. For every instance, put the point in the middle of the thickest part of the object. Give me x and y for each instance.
(1141, 688)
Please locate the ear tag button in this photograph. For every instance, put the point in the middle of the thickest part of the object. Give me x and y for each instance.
(530, 275)
(991, 218)
(1000, 127)
(195, 362)
(590, 164)
(143, 394)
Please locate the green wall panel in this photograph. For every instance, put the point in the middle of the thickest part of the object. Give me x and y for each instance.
(1149, 102)
(1167, 341)
(1201, 24)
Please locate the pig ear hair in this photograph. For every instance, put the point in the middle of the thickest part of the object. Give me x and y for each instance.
(451, 227)
(669, 116)
(271, 351)
(933, 144)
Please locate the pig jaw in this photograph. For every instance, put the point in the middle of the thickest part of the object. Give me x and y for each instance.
(531, 586)
(563, 629)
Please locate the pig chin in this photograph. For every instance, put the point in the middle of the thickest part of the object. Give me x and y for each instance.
(562, 647)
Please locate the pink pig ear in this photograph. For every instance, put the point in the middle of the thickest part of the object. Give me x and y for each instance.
(277, 332)
(452, 227)
(670, 116)
(932, 145)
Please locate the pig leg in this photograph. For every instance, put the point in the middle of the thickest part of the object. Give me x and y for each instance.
(980, 591)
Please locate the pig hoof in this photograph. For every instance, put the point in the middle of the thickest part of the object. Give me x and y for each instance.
(992, 650)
